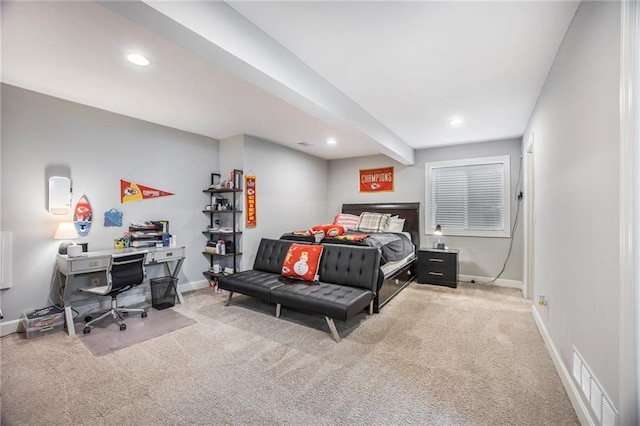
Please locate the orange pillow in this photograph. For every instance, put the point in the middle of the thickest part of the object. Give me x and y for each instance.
(302, 262)
(330, 230)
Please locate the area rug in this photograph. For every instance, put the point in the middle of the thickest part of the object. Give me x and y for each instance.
(106, 336)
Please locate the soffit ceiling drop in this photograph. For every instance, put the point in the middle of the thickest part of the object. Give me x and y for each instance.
(378, 77)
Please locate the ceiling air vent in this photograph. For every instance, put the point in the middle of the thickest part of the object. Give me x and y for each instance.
(305, 144)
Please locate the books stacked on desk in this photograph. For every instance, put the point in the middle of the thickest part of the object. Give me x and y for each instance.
(145, 243)
(148, 233)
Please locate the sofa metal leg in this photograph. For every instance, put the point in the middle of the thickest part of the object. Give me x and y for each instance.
(332, 327)
(371, 308)
(228, 301)
(278, 308)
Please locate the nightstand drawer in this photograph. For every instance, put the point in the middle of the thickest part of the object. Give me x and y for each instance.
(437, 259)
(448, 276)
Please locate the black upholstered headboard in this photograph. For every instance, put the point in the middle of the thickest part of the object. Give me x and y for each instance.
(410, 212)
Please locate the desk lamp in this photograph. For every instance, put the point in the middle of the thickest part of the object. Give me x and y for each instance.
(66, 231)
(438, 232)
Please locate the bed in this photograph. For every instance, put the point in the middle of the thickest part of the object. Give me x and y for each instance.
(398, 250)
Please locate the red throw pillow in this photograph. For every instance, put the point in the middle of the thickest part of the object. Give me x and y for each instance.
(302, 262)
(330, 230)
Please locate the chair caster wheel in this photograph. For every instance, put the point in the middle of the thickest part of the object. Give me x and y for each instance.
(123, 327)
(86, 330)
(143, 315)
(88, 318)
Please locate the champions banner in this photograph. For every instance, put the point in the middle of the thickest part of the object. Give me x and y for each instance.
(130, 191)
(252, 214)
(376, 180)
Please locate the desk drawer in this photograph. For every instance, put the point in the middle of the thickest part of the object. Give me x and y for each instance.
(77, 266)
(165, 255)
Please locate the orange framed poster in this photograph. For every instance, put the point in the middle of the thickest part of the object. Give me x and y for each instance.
(250, 190)
(376, 180)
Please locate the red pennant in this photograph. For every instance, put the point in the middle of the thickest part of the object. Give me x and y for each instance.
(130, 191)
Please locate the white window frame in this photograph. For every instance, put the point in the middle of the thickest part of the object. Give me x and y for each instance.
(506, 198)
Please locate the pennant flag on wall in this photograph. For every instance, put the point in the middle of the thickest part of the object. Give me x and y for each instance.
(252, 212)
(130, 191)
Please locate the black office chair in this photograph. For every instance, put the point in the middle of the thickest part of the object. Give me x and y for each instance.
(125, 271)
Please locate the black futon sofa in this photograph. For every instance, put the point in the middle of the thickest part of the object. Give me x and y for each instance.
(348, 279)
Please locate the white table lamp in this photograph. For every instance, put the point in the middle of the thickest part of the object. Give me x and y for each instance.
(66, 231)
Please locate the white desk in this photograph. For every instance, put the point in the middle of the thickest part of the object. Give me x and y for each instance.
(98, 261)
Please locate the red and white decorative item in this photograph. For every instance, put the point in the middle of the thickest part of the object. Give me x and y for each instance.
(131, 191)
(376, 180)
(251, 194)
(302, 262)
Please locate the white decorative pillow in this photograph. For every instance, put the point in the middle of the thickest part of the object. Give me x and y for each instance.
(372, 222)
(395, 224)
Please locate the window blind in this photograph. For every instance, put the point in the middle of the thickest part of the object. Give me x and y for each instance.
(469, 197)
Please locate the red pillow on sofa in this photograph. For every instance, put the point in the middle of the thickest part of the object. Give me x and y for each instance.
(302, 262)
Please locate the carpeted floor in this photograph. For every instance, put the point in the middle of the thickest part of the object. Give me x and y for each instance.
(434, 355)
(106, 336)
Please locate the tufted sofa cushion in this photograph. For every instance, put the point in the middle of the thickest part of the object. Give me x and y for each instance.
(335, 301)
(270, 255)
(350, 266)
(252, 283)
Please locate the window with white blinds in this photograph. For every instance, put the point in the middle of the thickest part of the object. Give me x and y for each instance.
(469, 197)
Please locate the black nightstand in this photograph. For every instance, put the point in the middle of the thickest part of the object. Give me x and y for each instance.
(438, 267)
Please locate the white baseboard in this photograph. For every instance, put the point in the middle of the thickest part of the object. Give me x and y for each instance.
(500, 282)
(573, 392)
(8, 327)
(90, 304)
(193, 285)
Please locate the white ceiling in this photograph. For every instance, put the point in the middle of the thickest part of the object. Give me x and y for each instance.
(379, 77)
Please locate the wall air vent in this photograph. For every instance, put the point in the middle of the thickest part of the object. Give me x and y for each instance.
(592, 392)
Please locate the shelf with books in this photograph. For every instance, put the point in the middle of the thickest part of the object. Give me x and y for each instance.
(224, 215)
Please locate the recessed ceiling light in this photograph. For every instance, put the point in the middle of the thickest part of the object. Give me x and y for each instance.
(138, 59)
(331, 141)
(456, 121)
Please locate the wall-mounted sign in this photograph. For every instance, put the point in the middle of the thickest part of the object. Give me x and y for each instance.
(112, 217)
(250, 190)
(82, 216)
(130, 191)
(376, 180)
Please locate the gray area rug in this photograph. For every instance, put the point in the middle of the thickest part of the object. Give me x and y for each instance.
(433, 356)
(106, 336)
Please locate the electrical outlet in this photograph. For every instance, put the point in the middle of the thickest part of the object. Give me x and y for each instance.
(542, 300)
(95, 281)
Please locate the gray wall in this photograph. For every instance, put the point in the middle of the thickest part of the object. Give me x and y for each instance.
(99, 148)
(291, 188)
(576, 175)
(479, 257)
